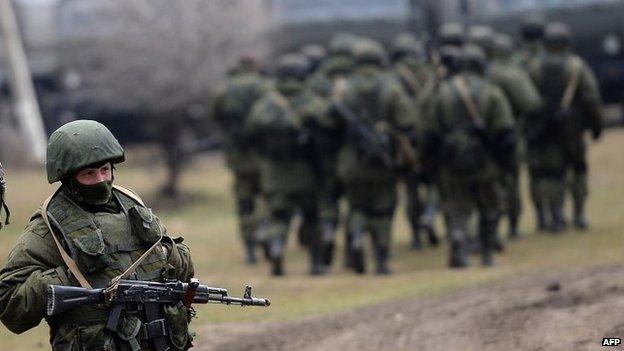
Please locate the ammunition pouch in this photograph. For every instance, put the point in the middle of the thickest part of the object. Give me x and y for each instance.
(145, 225)
(178, 319)
(463, 151)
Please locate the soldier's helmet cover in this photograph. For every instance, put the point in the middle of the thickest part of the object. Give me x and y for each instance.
(405, 44)
(532, 27)
(503, 45)
(474, 58)
(342, 44)
(292, 66)
(80, 144)
(368, 51)
(482, 36)
(452, 34)
(557, 34)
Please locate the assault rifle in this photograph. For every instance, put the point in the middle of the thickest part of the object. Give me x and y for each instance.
(148, 296)
(370, 142)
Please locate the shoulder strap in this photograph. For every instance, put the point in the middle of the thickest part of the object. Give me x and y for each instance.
(69, 262)
(572, 86)
(470, 104)
(129, 193)
(409, 77)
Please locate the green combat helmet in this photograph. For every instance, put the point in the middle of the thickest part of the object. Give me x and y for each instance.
(482, 36)
(370, 52)
(3, 204)
(452, 34)
(557, 37)
(315, 54)
(405, 44)
(292, 66)
(79, 144)
(532, 28)
(342, 44)
(474, 59)
(502, 46)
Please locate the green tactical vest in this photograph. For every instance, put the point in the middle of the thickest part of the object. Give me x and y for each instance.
(104, 245)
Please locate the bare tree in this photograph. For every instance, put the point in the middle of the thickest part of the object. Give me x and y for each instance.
(159, 57)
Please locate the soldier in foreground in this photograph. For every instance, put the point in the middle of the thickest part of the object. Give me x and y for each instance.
(289, 171)
(556, 138)
(470, 140)
(231, 110)
(373, 110)
(103, 229)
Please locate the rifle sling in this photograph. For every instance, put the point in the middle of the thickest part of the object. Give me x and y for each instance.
(572, 86)
(71, 264)
(470, 104)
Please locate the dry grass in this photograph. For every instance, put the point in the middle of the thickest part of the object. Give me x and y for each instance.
(209, 226)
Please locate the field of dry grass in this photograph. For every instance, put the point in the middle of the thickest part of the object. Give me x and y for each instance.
(209, 226)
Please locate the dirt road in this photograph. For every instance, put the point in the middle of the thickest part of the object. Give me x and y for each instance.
(546, 311)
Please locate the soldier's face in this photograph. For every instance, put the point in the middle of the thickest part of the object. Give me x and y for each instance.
(90, 176)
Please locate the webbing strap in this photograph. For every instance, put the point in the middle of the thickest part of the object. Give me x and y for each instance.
(69, 262)
(410, 78)
(572, 86)
(470, 104)
(129, 194)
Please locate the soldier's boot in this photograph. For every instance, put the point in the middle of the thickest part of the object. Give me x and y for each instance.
(358, 260)
(348, 258)
(459, 251)
(381, 257)
(497, 243)
(316, 261)
(558, 219)
(540, 214)
(580, 220)
(514, 233)
(434, 240)
(250, 251)
(487, 252)
(328, 242)
(487, 235)
(276, 252)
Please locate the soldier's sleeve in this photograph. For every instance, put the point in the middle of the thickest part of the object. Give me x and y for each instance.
(32, 265)
(403, 113)
(499, 116)
(590, 98)
(180, 258)
(524, 94)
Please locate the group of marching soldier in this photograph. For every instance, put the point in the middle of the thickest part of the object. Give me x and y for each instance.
(452, 122)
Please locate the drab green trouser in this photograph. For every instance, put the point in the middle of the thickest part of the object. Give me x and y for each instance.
(283, 206)
(372, 204)
(459, 201)
(247, 193)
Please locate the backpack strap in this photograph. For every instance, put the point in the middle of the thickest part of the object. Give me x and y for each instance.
(471, 106)
(69, 262)
(572, 86)
(129, 193)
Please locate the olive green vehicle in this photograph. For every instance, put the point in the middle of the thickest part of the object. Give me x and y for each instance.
(103, 229)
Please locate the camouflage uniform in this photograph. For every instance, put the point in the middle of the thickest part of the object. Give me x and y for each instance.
(556, 142)
(525, 101)
(383, 108)
(468, 151)
(289, 171)
(419, 81)
(103, 239)
(231, 111)
(328, 83)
